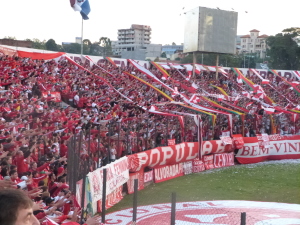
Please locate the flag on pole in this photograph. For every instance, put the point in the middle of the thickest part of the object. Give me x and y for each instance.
(83, 6)
(265, 81)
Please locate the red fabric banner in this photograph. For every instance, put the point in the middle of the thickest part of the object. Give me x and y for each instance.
(111, 199)
(130, 183)
(168, 172)
(223, 160)
(7, 51)
(198, 165)
(281, 147)
(238, 141)
(148, 176)
(171, 142)
(169, 155)
(38, 55)
(208, 161)
(226, 140)
(53, 96)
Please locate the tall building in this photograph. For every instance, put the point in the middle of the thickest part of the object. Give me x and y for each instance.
(254, 43)
(134, 43)
(134, 38)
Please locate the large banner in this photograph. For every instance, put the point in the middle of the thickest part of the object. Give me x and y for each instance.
(148, 176)
(164, 173)
(169, 155)
(280, 147)
(187, 167)
(238, 141)
(198, 165)
(223, 160)
(117, 175)
(130, 183)
(113, 198)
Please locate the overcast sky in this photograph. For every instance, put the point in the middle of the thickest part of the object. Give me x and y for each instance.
(45, 19)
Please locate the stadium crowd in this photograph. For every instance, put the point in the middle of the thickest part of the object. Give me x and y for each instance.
(120, 111)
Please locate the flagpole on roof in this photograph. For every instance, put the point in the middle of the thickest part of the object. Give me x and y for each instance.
(81, 51)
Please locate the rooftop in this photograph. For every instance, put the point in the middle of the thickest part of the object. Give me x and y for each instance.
(254, 30)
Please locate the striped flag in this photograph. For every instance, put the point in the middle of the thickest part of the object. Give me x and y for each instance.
(83, 6)
(265, 81)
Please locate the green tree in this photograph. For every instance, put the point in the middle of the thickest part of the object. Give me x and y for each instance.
(283, 51)
(10, 37)
(74, 48)
(105, 43)
(156, 59)
(51, 45)
(209, 59)
(163, 55)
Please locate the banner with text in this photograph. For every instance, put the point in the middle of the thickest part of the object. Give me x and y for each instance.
(117, 175)
(148, 176)
(164, 173)
(130, 183)
(169, 155)
(223, 160)
(280, 147)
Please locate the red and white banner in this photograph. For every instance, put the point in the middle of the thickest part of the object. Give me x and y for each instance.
(7, 51)
(226, 140)
(281, 147)
(188, 168)
(238, 141)
(130, 183)
(168, 172)
(171, 142)
(169, 155)
(117, 175)
(208, 161)
(54, 95)
(113, 198)
(148, 176)
(223, 160)
(198, 165)
(263, 140)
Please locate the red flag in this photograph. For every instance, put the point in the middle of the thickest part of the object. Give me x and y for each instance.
(264, 81)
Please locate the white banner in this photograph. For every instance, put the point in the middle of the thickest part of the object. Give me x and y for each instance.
(188, 167)
(117, 175)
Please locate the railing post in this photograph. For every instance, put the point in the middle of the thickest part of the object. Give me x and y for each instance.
(134, 214)
(103, 196)
(243, 218)
(173, 209)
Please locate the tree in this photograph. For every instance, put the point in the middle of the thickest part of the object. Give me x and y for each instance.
(225, 60)
(283, 51)
(163, 55)
(156, 59)
(51, 45)
(36, 43)
(106, 44)
(74, 48)
(173, 43)
(10, 37)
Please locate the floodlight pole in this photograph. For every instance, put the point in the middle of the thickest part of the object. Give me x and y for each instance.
(217, 66)
(81, 50)
(194, 63)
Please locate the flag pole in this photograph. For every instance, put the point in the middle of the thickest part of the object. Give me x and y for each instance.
(81, 51)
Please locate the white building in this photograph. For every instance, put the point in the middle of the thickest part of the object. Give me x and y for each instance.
(136, 37)
(254, 43)
(135, 43)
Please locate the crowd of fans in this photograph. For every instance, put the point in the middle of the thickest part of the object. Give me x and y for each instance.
(114, 111)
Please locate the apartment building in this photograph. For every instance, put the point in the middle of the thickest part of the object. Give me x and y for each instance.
(253, 43)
